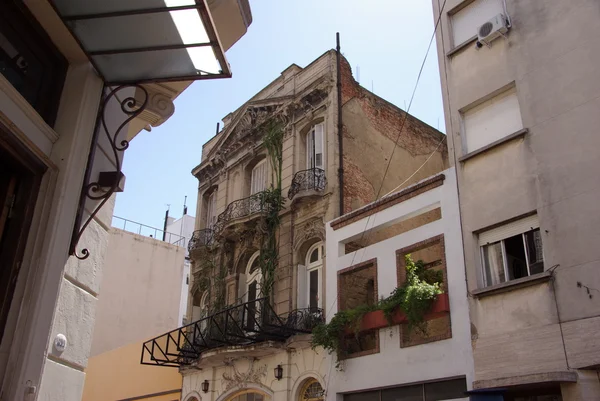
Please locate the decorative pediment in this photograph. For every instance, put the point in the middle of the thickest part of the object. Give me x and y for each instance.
(243, 371)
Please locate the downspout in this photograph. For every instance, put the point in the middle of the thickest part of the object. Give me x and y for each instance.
(340, 125)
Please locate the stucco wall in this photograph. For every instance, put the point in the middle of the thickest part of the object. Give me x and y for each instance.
(141, 290)
(551, 56)
(435, 360)
(118, 375)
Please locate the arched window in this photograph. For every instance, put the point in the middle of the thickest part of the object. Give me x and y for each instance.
(200, 306)
(310, 278)
(258, 179)
(312, 391)
(314, 147)
(253, 281)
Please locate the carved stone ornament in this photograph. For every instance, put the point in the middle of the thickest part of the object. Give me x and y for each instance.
(250, 373)
(313, 228)
(160, 107)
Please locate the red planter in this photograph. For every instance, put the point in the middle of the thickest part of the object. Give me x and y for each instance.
(377, 320)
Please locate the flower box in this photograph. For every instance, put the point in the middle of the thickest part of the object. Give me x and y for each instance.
(377, 320)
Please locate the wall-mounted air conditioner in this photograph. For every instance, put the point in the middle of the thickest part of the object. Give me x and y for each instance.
(494, 28)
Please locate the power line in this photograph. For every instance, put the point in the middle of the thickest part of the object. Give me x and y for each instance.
(398, 137)
(437, 22)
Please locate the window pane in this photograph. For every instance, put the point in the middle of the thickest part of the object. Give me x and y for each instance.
(368, 396)
(534, 251)
(446, 390)
(314, 256)
(407, 393)
(313, 295)
(493, 263)
(515, 257)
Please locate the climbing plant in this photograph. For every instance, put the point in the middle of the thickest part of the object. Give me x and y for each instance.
(414, 298)
(272, 201)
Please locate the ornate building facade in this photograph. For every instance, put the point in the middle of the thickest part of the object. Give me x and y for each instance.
(304, 150)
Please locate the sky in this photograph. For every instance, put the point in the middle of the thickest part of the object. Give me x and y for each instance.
(384, 41)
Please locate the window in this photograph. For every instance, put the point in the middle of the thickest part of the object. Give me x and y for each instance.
(492, 120)
(29, 60)
(258, 181)
(512, 251)
(312, 391)
(211, 209)
(466, 21)
(314, 147)
(435, 391)
(314, 268)
(253, 281)
(249, 397)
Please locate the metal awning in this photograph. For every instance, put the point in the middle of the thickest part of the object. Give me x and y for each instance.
(141, 41)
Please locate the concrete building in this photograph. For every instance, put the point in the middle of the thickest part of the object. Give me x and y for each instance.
(315, 137)
(522, 110)
(140, 298)
(78, 81)
(398, 362)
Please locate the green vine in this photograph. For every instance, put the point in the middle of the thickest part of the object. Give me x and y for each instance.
(273, 200)
(414, 298)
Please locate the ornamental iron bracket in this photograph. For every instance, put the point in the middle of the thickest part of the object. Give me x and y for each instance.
(108, 182)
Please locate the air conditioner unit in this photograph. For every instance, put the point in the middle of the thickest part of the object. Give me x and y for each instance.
(492, 29)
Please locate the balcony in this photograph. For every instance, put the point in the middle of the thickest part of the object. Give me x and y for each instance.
(239, 325)
(308, 182)
(201, 239)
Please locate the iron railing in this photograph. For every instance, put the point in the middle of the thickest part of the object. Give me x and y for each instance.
(142, 229)
(201, 238)
(304, 180)
(243, 324)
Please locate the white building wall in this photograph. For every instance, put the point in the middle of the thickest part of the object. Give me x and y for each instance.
(393, 365)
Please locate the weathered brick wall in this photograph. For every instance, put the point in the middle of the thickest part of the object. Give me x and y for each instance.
(371, 127)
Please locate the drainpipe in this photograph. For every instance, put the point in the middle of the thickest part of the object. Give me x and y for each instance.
(165, 225)
(339, 124)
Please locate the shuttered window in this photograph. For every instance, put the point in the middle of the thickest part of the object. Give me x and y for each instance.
(314, 144)
(466, 21)
(211, 209)
(259, 178)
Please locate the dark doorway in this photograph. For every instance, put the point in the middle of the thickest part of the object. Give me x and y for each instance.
(20, 175)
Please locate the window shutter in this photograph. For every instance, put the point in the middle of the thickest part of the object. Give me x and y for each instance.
(509, 230)
(302, 287)
(259, 178)
(213, 208)
(319, 146)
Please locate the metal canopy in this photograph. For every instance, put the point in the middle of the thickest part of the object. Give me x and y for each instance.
(141, 41)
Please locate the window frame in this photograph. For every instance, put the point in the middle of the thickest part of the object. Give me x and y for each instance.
(211, 209)
(318, 267)
(310, 136)
(523, 226)
(251, 277)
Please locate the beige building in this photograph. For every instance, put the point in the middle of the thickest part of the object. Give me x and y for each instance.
(141, 297)
(78, 81)
(258, 265)
(522, 115)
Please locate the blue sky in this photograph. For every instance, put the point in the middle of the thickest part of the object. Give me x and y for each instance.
(385, 39)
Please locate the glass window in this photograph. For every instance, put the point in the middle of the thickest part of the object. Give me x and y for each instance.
(312, 391)
(29, 60)
(513, 257)
(313, 297)
(367, 396)
(314, 265)
(314, 147)
(446, 390)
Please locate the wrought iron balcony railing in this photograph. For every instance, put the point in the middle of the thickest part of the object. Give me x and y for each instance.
(304, 180)
(201, 238)
(242, 324)
(241, 208)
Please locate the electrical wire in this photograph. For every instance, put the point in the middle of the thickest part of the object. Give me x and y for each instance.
(437, 22)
